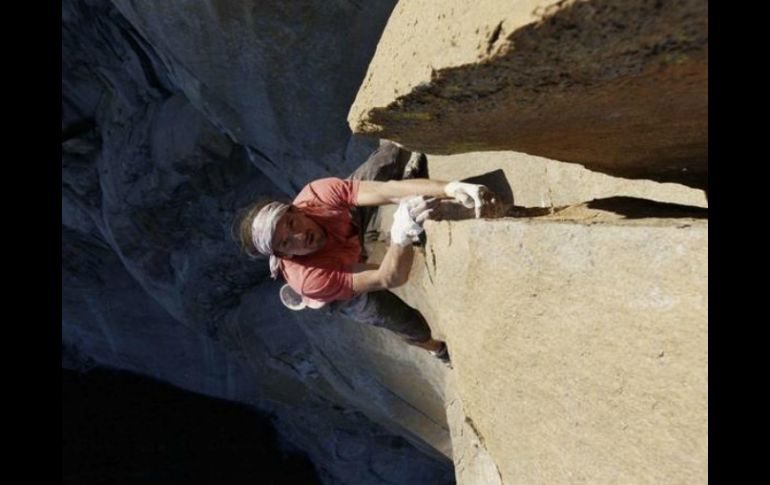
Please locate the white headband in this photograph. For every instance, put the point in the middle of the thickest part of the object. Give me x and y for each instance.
(262, 229)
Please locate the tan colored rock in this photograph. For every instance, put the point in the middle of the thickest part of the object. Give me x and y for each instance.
(531, 181)
(619, 86)
(473, 464)
(567, 192)
(580, 348)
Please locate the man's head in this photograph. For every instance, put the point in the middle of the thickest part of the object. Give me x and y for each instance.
(296, 234)
(278, 230)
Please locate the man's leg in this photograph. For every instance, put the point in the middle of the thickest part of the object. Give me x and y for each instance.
(386, 163)
(386, 310)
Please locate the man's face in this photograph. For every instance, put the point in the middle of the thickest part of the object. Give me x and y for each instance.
(297, 235)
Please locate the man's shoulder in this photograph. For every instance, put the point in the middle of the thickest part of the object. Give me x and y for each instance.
(331, 191)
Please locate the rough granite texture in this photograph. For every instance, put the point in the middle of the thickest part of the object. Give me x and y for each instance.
(531, 181)
(580, 346)
(619, 86)
(473, 463)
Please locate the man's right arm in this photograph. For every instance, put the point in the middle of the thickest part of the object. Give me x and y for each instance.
(391, 273)
(394, 269)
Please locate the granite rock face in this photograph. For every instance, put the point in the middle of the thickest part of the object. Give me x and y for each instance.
(274, 76)
(589, 322)
(551, 313)
(618, 86)
(579, 342)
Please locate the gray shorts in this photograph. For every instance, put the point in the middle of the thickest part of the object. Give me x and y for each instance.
(385, 310)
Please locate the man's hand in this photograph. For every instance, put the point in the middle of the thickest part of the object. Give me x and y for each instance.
(469, 195)
(394, 269)
(409, 217)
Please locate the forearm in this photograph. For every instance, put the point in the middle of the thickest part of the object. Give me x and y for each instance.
(391, 192)
(396, 265)
(398, 189)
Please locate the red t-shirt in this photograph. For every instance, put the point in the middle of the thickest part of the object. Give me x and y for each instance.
(326, 274)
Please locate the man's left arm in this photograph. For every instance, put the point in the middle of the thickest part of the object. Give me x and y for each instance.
(392, 191)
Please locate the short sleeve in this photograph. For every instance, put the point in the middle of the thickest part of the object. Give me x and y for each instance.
(331, 191)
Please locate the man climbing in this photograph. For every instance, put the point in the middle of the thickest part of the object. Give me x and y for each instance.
(317, 241)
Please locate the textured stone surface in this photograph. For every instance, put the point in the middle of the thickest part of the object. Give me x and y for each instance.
(177, 114)
(619, 86)
(580, 348)
(530, 181)
(276, 77)
(473, 463)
